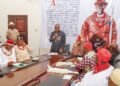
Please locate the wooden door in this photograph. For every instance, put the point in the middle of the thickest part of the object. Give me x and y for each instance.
(21, 23)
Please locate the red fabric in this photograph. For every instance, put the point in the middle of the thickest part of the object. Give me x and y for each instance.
(103, 56)
(77, 46)
(10, 42)
(99, 26)
(53, 2)
(100, 2)
(88, 46)
(79, 38)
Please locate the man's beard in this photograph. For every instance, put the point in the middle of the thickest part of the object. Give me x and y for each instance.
(12, 27)
(100, 11)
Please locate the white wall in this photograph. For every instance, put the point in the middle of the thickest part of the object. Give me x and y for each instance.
(32, 8)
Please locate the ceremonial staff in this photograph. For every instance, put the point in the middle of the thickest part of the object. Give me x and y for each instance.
(111, 24)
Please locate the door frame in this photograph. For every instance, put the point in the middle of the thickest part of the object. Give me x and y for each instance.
(14, 17)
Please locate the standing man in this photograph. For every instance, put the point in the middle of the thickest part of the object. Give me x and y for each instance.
(101, 24)
(58, 39)
(12, 32)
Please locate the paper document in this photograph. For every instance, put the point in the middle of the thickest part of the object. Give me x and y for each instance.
(60, 70)
(68, 77)
(64, 64)
(52, 54)
(80, 58)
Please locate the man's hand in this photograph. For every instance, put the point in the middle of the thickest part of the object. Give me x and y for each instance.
(23, 43)
(10, 63)
(61, 50)
(113, 44)
(75, 61)
(77, 80)
(55, 36)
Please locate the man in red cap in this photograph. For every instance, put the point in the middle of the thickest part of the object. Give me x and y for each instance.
(7, 54)
(99, 76)
(101, 24)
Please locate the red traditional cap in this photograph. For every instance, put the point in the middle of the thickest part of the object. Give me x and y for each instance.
(88, 46)
(10, 42)
(79, 38)
(103, 55)
(101, 2)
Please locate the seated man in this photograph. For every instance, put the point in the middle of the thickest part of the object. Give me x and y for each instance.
(114, 79)
(77, 47)
(7, 54)
(88, 62)
(99, 76)
(22, 50)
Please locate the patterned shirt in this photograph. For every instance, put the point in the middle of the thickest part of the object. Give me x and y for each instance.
(87, 64)
(100, 26)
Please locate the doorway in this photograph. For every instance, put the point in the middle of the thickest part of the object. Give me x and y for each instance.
(21, 23)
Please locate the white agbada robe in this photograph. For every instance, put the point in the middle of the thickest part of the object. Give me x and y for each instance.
(97, 79)
(22, 55)
(4, 59)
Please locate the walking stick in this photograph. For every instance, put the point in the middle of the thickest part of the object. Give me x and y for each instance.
(111, 23)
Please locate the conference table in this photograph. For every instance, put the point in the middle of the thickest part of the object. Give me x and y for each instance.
(36, 72)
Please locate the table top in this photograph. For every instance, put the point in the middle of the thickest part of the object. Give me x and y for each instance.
(53, 79)
(20, 76)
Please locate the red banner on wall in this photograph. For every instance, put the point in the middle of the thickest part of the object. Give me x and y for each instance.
(53, 2)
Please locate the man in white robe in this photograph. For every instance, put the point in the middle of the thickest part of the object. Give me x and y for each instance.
(7, 54)
(99, 76)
